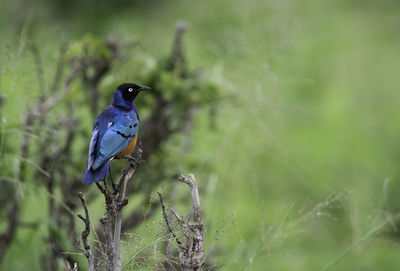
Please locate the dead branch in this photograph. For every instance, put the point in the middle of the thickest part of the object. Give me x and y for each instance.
(69, 268)
(126, 176)
(191, 252)
(168, 223)
(107, 222)
(195, 196)
(85, 248)
(115, 201)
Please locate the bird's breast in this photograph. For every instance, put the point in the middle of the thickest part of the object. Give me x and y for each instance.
(129, 149)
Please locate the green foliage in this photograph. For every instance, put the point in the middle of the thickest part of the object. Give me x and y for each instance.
(89, 49)
(192, 89)
(315, 111)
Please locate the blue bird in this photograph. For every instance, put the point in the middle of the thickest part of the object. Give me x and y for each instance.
(114, 132)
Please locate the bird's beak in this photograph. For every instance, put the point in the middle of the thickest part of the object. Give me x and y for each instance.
(144, 88)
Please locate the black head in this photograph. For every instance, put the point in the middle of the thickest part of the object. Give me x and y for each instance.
(129, 91)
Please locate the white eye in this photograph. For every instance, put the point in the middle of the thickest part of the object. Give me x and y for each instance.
(130, 89)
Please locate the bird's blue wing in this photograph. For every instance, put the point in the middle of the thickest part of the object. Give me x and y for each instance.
(119, 134)
(93, 141)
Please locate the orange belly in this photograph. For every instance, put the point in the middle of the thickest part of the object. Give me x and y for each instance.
(129, 149)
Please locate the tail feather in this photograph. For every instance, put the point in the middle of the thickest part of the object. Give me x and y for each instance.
(97, 175)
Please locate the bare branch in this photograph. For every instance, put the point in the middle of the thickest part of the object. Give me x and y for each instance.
(84, 235)
(195, 196)
(135, 162)
(168, 223)
(178, 217)
(127, 173)
(102, 190)
(110, 231)
(69, 268)
(192, 251)
(181, 223)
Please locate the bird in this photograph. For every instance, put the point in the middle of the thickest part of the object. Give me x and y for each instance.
(114, 132)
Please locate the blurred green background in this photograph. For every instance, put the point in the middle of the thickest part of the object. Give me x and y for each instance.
(301, 171)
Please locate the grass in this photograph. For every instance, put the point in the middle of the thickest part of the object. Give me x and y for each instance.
(311, 108)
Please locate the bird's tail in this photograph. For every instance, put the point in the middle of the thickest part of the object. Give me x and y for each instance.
(97, 175)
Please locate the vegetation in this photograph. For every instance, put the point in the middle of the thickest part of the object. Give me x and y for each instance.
(292, 131)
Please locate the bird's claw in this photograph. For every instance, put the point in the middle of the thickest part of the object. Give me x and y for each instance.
(132, 160)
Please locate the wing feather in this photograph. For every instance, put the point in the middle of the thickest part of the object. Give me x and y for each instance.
(93, 141)
(116, 138)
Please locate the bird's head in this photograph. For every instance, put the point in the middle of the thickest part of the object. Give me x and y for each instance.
(126, 93)
(130, 91)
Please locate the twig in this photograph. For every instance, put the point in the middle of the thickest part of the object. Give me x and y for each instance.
(102, 190)
(168, 223)
(127, 173)
(86, 247)
(181, 223)
(69, 268)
